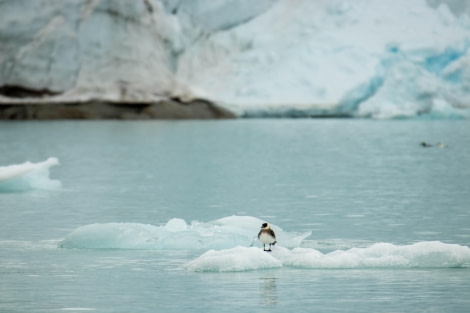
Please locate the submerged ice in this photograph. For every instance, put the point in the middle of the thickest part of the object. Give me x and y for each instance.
(176, 234)
(27, 176)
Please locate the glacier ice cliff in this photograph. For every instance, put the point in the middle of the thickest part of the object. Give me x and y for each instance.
(364, 58)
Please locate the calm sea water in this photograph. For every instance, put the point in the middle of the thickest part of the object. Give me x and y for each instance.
(351, 183)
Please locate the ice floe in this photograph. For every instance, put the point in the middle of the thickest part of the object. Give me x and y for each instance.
(230, 244)
(234, 260)
(381, 255)
(176, 234)
(27, 176)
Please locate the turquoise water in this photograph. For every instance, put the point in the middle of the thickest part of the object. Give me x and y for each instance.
(386, 221)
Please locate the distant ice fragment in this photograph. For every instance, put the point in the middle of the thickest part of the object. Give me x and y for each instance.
(27, 176)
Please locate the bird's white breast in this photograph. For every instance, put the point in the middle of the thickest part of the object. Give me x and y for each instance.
(266, 238)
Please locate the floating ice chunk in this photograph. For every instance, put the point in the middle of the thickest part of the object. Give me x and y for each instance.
(176, 224)
(223, 233)
(381, 255)
(310, 258)
(235, 259)
(112, 236)
(433, 254)
(246, 225)
(26, 176)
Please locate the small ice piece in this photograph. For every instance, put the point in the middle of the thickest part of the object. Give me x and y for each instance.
(432, 254)
(175, 225)
(381, 255)
(28, 176)
(233, 260)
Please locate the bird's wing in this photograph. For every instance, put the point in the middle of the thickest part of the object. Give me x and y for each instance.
(271, 232)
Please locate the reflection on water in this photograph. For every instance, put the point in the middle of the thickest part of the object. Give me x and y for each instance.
(268, 292)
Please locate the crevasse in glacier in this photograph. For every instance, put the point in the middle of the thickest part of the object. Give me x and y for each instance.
(266, 58)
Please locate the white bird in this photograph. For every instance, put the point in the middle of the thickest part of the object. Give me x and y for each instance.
(267, 236)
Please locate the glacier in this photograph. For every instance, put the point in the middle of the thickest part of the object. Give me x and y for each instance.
(265, 58)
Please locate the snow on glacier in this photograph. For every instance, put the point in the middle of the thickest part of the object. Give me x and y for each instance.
(230, 244)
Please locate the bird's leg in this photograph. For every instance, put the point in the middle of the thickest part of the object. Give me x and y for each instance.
(264, 247)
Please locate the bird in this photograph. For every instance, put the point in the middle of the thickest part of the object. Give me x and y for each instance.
(267, 236)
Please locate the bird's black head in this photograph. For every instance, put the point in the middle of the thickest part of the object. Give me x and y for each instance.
(264, 225)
